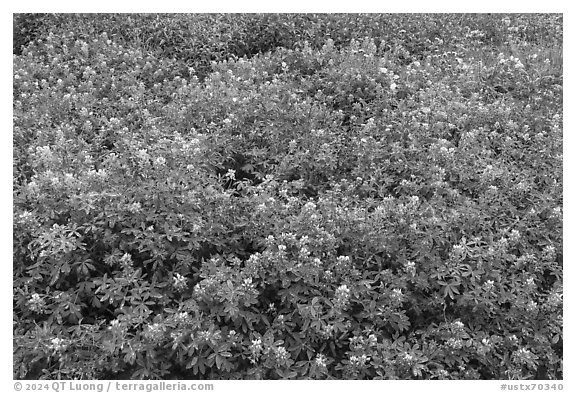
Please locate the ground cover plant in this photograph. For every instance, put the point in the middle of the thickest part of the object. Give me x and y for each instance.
(292, 196)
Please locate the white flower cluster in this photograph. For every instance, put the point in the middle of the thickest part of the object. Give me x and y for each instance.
(205, 335)
(512, 61)
(407, 358)
(58, 344)
(410, 268)
(446, 152)
(522, 186)
(458, 252)
(255, 350)
(327, 331)
(397, 295)
(182, 317)
(556, 213)
(489, 173)
(502, 245)
(116, 326)
(524, 356)
(154, 332)
(372, 340)
(247, 284)
(317, 263)
(488, 285)
(160, 162)
(142, 155)
(484, 347)
(530, 284)
(524, 260)
(26, 217)
(126, 259)
(320, 360)
(282, 355)
(359, 361)
(514, 235)
(308, 208)
(134, 208)
(342, 263)
(36, 303)
(531, 306)
(458, 325)
(45, 154)
(202, 288)
(554, 300)
(454, 343)
(253, 264)
(342, 296)
(549, 253)
(179, 282)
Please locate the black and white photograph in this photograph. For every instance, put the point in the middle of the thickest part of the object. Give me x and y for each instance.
(287, 196)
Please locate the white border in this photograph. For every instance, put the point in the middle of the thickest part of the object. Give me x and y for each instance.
(297, 6)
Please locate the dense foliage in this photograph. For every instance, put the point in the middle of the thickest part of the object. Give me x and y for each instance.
(288, 196)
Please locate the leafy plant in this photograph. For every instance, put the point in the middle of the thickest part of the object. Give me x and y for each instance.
(288, 197)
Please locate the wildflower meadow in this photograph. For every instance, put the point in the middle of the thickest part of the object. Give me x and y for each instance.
(287, 196)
